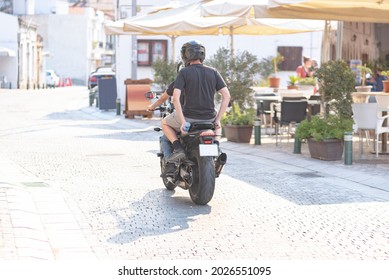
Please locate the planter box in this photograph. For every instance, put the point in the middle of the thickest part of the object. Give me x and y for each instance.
(331, 149)
(363, 88)
(238, 133)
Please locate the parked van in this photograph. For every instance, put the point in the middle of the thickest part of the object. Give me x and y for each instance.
(52, 79)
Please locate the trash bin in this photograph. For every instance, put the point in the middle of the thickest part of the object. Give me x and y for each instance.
(136, 102)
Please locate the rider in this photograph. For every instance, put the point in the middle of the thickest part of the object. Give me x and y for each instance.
(198, 83)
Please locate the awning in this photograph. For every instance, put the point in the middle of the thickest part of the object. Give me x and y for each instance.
(6, 52)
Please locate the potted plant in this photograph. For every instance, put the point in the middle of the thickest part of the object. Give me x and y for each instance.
(238, 124)
(364, 71)
(274, 81)
(307, 83)
(293, 81)
(324, 134)
(164, 72)
(385, 83)
(239, 74)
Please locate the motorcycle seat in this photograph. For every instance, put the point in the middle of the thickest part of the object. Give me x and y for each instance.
(201, 126)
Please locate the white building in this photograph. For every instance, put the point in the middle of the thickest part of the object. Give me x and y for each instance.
(8, 50)
(73, 38)
(75, 42)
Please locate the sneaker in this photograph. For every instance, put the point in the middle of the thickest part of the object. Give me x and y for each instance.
(176, 155)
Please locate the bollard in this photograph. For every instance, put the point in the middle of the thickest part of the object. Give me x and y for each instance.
(297, 143)
(257, 129)
(348, 148)
(118, 106)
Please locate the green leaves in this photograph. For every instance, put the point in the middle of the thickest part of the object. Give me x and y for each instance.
(237, 117)
(239, 73)
(320, 128)
(164, 72)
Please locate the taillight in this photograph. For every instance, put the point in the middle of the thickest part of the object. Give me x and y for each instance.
(93, 79)
(207, 137)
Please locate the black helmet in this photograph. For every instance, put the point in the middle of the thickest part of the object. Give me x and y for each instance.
(192, 50)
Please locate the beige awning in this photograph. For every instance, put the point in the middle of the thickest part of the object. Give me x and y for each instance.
(188, 21)
(342, 10)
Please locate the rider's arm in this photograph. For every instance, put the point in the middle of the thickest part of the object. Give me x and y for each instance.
(225, 93)
(158, 102)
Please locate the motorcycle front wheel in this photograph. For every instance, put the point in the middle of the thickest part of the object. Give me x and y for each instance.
(203, 178)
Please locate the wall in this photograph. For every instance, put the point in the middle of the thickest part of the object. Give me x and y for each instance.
(73, 43)
(9, 39)
(59, 7)
(26, 7)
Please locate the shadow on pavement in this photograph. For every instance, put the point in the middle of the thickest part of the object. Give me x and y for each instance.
(156, 213)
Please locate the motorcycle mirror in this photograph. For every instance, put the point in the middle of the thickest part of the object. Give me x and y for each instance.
(150, 95)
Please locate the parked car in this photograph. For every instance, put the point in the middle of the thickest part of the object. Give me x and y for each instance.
(101, 72)
(52, 79)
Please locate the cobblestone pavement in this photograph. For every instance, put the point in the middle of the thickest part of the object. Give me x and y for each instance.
(76, 182)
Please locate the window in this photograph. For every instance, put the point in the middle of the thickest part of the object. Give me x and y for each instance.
(150, 50)
(292, 58)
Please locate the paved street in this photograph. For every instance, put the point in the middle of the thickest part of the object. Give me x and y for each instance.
(77, 182)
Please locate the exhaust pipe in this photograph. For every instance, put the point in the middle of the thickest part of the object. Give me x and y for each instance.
(219, 164)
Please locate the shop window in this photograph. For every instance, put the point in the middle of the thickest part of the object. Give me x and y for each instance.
(149, 51)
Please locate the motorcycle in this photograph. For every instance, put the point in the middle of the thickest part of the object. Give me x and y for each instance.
(197, 172)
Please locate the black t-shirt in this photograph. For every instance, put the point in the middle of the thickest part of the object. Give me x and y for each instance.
(199, 84)
(170, 90)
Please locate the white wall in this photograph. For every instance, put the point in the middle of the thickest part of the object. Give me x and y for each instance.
(25, 7)
(69, 41)
(45, 7)
(8, 39)
(68, 47)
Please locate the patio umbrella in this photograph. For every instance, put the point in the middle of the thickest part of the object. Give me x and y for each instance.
(342, 10)
(339, 10)
(187, 20)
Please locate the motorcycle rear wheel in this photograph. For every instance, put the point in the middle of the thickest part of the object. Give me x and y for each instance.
(203, 184)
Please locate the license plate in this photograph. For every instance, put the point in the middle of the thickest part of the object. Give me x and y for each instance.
(208, 150)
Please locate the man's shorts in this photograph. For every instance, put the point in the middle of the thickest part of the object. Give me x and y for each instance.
(173, 121)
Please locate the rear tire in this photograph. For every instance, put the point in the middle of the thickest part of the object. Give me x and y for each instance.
(203, 172)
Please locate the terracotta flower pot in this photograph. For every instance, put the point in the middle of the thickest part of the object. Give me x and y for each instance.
(386, 86)
(274, 82)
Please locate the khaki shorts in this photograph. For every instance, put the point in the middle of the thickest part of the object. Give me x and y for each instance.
(173, 121)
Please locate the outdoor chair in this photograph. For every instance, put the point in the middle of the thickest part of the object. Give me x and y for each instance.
(263, 109)
(292, 111)
(366, 117)
(315, 108)
(383, 102)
